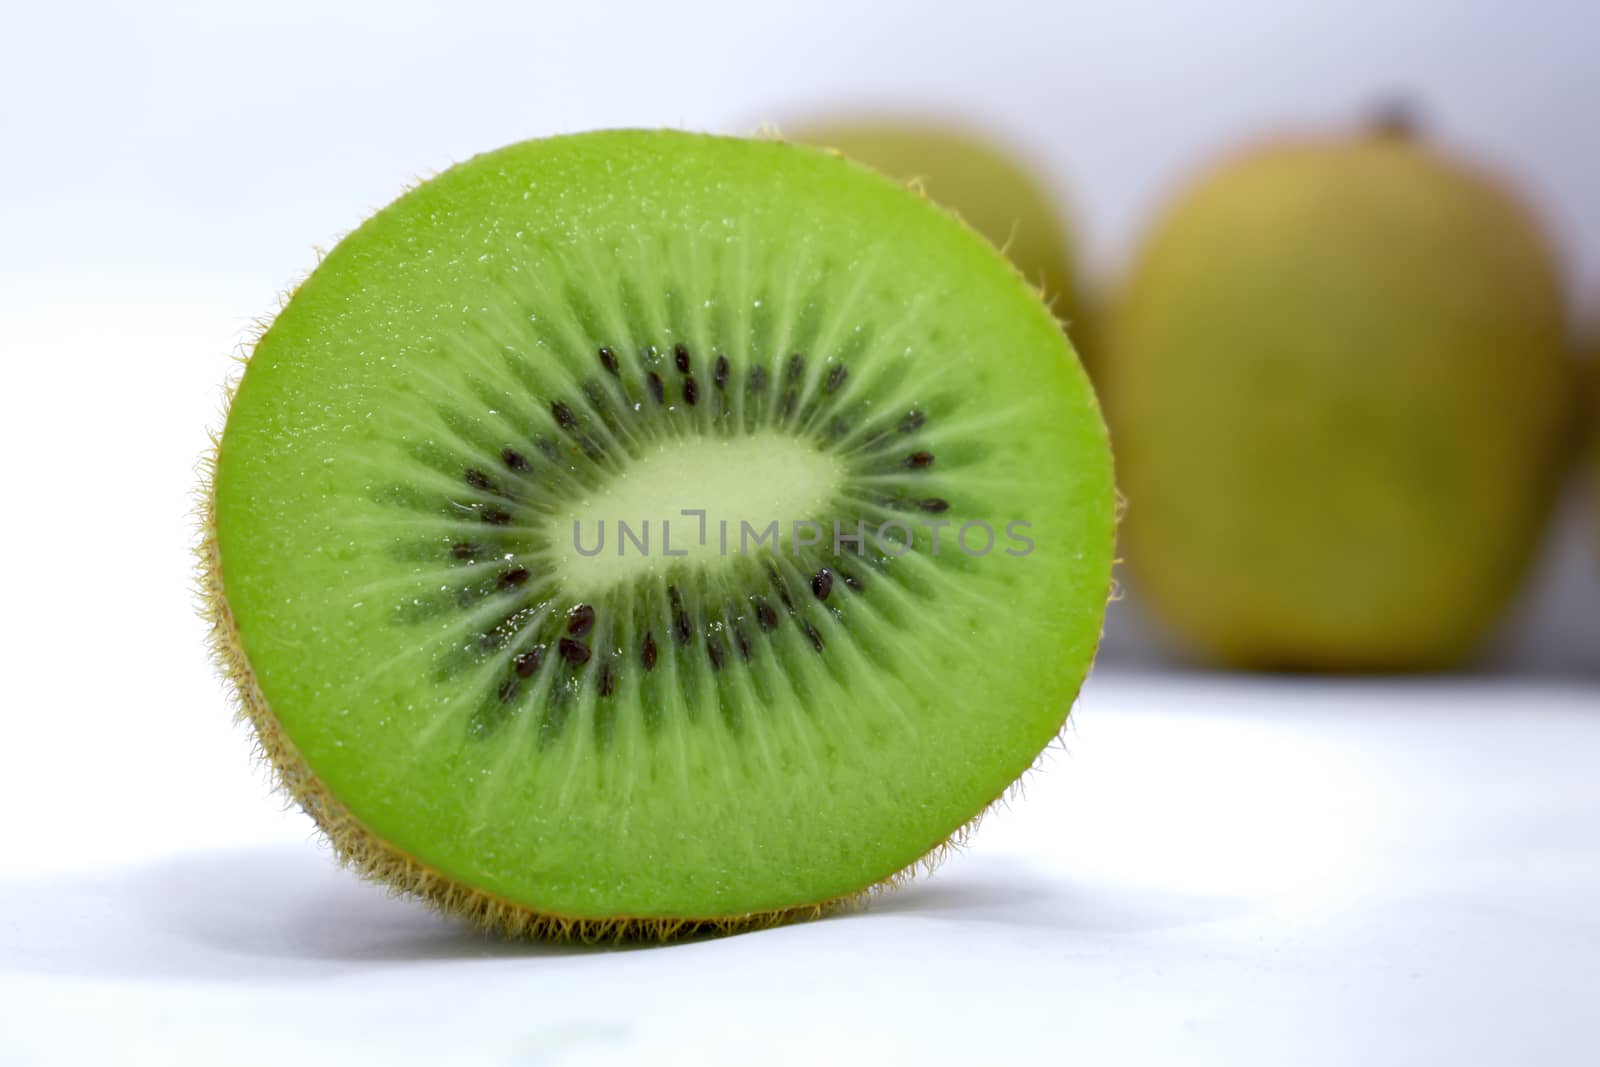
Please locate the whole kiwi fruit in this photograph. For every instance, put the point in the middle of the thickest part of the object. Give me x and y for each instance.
(990, 186)
(635, 533)
(1339, 389)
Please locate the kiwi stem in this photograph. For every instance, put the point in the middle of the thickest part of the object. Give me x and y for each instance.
(1396, 118)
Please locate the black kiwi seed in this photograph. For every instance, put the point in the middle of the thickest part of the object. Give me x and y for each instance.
(714, 650)
(719, 374)
(495, 517)
(822, 584)
(680, 357)
(515, 460)
(608, 359)
(691, 391)
(836, 378)
(595, 394)
(477, 479)
(608, 681)
(767, 617)
(742, 642)
(912, 422)
(464, 550)
(514, 577)
(647, 651)
(658, 388)
(574, 651)
(782, 588)
(564, 415)
(797, 367)
(680, 616)
(918, 461)
(581, 621)
(758, 380)
(934, 504)
(850, 580)
(527, 663)
(816, 638)
(877, 440)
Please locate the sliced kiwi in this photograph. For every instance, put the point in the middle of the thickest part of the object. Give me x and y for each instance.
(696, 723)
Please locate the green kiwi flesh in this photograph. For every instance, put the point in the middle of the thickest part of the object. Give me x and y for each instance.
(480, 708)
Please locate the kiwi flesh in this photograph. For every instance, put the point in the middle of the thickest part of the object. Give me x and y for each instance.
(1339, 388)
(489, 694)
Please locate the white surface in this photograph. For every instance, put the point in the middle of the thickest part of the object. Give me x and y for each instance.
(1209, 870)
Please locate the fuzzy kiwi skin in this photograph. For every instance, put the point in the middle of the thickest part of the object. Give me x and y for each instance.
(992, 190)
(373, 856)
(1340, 392)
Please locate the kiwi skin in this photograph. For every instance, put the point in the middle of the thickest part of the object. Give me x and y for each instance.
(376, 859)
(1341, 395)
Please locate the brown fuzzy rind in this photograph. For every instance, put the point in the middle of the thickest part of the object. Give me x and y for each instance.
(376, 859)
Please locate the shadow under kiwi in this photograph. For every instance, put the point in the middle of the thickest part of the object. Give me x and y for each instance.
(283, 911)
(289, 912)
(1005, 890)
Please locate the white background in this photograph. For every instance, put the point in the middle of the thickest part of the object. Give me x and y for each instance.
(1232, 871)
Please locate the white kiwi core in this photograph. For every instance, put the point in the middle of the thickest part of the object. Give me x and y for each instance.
(695, 501)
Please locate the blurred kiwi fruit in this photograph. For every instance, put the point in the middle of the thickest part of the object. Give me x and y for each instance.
(992, 188)
(637, 533)
(1591, 426)
(1340, 390)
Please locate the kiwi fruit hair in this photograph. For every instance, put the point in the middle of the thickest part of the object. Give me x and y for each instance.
(1340, 386)
(477, 548)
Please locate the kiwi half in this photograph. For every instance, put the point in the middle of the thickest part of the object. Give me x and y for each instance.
(488, 693)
